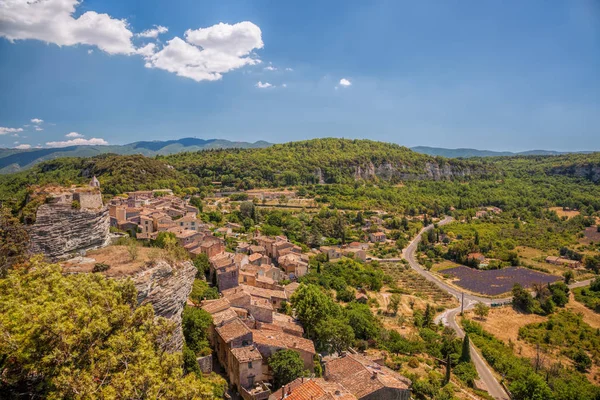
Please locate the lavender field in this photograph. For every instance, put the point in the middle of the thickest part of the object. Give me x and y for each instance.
(497, 281)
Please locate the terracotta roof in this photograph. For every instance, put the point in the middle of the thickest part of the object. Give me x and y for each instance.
(257, 249)
(224, 316)
(312, 389)
(255, 256)
(362, 376)
(215, 306)
(232, 330)
(246, 354)
(282, 340)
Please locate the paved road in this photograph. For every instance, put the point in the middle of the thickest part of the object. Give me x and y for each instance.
(448, 317)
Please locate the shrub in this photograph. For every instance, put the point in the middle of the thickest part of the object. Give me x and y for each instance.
(100, 267)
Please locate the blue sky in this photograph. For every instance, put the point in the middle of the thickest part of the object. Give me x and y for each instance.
(493, 75)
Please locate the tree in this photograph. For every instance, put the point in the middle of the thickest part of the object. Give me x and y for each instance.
(312, 306)
(530, 387)
(202, 264)
(481, 310)
(247, 209)
(428, 316)
(89, 339)
(582, 361)
(465, 354)
(333, 335)
(14, 241)
(394, 304)
(522, 299)
(365, 325)
(568, 276)
(286, 366)
(196, 324)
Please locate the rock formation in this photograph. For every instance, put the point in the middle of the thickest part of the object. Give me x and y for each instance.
(166, 288)
(61, 230)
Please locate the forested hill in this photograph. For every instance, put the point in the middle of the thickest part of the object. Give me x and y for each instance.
(468, 153)
(13, 160)
(326, 160)
(315, 161)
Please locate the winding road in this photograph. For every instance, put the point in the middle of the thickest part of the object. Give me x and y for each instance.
(448, 317)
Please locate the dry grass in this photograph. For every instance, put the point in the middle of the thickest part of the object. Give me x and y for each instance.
(562, 213)
(504, 323)
(589, 316)
(445, 264)
(117, 257)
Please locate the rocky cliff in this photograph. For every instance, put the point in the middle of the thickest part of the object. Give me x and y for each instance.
(166, 288)
(60, 230)
(431, 170)
(587, 171)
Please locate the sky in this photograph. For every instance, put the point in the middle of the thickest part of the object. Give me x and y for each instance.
(511, 75)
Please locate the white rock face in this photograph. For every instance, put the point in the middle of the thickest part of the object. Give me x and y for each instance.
(166, 288)
(61, 230)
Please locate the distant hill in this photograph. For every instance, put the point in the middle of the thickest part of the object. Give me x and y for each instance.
(13, 160)
(467, 153)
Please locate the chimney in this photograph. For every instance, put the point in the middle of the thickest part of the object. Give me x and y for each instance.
(374, 376)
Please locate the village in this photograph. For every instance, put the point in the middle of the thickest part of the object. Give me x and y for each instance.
(255, 281)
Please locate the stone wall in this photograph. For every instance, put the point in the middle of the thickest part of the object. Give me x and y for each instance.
(60, 230)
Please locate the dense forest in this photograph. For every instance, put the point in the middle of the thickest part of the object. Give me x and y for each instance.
(358, 174)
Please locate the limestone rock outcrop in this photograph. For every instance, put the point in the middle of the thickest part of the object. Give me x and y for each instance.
(61, 230)
(166, 288)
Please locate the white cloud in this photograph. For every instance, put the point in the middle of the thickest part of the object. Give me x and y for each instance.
(289, 69)
(153, 33)
(4, 131)
(52, 21)
(207, 53)
(73, 135)
(78, 142)
(345, 82)
(270, 68)
(23, 146)
(90, 51)
(204, 54)
(265, 85)
(38, 128)
(37, 121)
(284, 85)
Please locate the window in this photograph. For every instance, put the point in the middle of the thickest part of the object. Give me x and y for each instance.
(250, 365)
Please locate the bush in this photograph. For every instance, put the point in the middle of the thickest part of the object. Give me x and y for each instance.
(75, 204)
(100, 267)
(466, 372)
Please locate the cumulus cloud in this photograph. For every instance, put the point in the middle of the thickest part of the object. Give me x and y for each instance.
(284, 85)
(289, 69)
(90, 51)
(153, 33)
(270, 68)
(203, 54)
(78, 142)
(208, 53)
(265, 85)
(4, 131)
(345, 82)
(37, 121)
(52, 21)
(73, 135)
(39, 128)
(23, 146)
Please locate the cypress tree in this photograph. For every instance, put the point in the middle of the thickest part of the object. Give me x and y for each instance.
(465, 355)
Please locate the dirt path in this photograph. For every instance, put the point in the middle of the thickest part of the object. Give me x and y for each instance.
(592, 318)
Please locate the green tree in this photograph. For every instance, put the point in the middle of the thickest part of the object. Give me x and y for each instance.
(568, 275)
(465, 354)
(333, 335)
(89, 339)
(196, 324)
(312, 306)
(522, 299)
(202, 264)
(394, 304)
(582, 361)
(286, 366)
(481, 310)
(530, 387)
(14, 241)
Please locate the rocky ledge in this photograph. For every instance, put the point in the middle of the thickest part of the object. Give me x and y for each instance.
(60, 231)
(166, 288)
